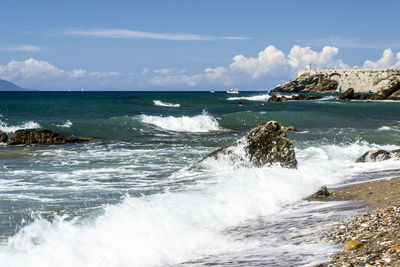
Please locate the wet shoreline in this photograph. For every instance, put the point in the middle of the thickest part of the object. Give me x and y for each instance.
(375, 232)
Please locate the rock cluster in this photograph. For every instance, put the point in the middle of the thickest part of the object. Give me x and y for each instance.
(389, 92)
(319, 83)
(40, 136)
(379, 155)
(264, 144)
(369, 239)
(275, 98)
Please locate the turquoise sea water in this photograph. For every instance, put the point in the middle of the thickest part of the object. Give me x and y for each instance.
(134, 199)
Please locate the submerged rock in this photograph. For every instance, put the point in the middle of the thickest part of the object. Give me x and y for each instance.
(3, 137)
(40, 136)
(379, 155)
(301, 97)
(264, 144)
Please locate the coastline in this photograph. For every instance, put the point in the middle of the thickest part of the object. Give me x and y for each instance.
(375, 233)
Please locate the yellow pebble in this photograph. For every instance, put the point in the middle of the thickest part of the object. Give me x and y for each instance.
(352, 245)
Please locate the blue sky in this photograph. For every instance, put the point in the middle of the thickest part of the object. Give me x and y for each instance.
(188, 44)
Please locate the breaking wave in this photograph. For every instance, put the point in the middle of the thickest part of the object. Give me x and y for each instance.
(173, 227)
(164, 104)
(197, 124)
(5, 127)
(251, 98)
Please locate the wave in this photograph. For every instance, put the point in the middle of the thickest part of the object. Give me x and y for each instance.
(164, 104)
(389, 128)
(251, 98)
(5, 127)
(67, 124)
(197, 124)
(173, 227)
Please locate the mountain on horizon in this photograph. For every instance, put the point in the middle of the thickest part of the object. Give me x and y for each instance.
(9, 86)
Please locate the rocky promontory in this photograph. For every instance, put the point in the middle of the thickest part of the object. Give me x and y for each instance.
(262, 145)
(355, 84)
(318, 83)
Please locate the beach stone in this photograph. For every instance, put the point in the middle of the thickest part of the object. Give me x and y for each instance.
(40, 136)
(379, 155)
(264, 144)
(352, 245)
(3, 137)
(321, 193)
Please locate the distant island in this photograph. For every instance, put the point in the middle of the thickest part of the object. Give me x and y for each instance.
(10, 87)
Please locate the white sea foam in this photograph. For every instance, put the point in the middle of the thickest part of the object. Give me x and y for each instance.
(67, 124)
(389, 128)
(172, 227)
(200, 123)
(264, 97)
(164, 104)
(5, 127)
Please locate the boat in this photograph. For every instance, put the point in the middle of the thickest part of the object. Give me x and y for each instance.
(233, 91)
(212, 91)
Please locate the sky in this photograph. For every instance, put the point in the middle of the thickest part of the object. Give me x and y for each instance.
(190, 44)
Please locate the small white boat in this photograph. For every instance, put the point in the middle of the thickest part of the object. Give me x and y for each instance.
(233, 91)
(212, 91)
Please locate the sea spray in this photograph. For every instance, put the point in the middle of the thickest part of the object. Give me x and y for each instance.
(185, 224)
(199, 123)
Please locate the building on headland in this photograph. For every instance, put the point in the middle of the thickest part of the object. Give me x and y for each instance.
(363, 80)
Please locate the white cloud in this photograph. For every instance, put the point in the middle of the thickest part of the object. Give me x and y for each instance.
(270, 62)
(388, 60)
(33, 73)
(130, 34)
(20, 47)
(299, 56)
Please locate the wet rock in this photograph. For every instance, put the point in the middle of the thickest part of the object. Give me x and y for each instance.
(352, 245)
(264, 144)
(314, 97)
(379, 155)
(392, 87)
(321, 193)
(3, 137)
(395, 95)
(348, 94)
(274, 98)
(40, 136)
(289, 128)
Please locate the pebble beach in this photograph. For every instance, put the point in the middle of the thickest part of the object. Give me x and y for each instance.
(373, 238)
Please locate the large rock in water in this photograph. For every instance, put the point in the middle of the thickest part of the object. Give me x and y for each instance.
(39, 136)
(3, 137)
(379, 155)
(264, 144)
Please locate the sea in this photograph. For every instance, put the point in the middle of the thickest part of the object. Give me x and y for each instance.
(141, 196)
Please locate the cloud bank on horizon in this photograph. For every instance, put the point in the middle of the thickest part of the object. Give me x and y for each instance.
(270, 64)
